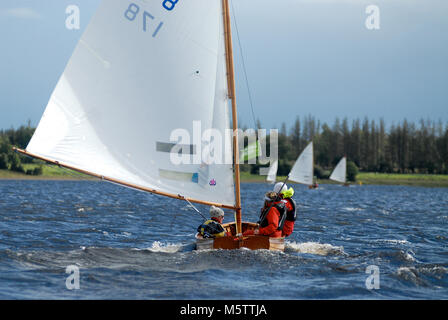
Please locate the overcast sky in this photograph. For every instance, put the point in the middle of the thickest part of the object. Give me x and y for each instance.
(302, 57)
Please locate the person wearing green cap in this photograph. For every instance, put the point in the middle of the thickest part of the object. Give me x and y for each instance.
(290, 205)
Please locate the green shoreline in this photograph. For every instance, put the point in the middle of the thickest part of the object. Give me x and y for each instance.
(424, 180)
(372, 178)
(363, 178)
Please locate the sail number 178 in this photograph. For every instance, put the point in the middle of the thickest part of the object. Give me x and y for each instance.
(134, 9)
(132, 12)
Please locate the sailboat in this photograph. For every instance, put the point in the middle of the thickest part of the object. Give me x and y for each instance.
(340, 171)
(272, 173)
(303, 169)
(141, 71)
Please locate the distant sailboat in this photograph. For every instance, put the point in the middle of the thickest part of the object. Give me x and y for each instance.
(339, 173)
(142, 70)
(303, 169)
(272, 173)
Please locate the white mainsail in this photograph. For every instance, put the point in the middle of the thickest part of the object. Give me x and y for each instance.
(303, 169)
(339, 172)
(272, 173)
(141, 70)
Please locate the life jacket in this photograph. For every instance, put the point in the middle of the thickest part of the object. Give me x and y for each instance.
(291, 215)
(280, 206)
(211, 229)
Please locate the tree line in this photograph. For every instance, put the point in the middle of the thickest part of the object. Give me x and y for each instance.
(404, 147)
(10, 160)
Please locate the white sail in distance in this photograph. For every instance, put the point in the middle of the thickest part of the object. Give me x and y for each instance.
(141, 70)
(340, 171)
(272, 173)
(303, 169)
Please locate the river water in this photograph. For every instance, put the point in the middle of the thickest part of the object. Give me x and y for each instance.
(361, 242)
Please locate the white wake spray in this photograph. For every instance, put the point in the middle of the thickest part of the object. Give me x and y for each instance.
(317, 248)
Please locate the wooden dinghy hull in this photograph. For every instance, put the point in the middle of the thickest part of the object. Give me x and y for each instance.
(253, 242)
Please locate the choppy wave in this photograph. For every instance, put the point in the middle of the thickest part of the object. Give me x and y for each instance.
(158, 246)
(351, 209)
(127, 244)
(392, 241)
(422, 275)
(322, 249)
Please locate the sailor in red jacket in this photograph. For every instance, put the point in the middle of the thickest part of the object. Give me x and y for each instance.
(290, 206)
(279, 220)
(270, 217)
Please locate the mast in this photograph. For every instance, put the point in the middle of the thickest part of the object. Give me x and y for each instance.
(231, 89)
